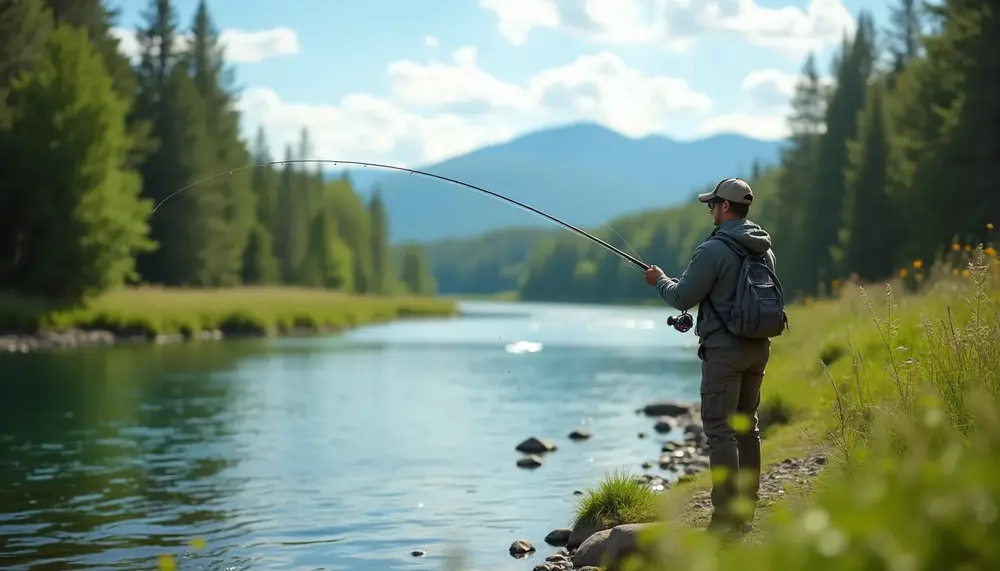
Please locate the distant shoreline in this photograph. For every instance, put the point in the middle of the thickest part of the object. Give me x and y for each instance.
(164, 315)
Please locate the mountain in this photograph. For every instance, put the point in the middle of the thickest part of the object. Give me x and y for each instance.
(583, 173)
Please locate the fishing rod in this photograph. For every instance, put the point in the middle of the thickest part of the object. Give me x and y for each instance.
(624, 256)
(681, 323)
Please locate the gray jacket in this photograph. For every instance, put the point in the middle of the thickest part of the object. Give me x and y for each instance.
(712, 274)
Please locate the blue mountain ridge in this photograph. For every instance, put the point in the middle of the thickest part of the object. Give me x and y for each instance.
(583, 173)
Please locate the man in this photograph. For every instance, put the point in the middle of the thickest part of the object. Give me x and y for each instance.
(732, 368)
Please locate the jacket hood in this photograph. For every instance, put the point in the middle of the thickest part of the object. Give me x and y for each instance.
(747, 233)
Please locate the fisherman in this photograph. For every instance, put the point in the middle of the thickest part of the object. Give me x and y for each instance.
(731, 270)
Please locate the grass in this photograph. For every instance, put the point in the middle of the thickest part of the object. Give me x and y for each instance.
(618, 499)
(902, 391)
(247, 310)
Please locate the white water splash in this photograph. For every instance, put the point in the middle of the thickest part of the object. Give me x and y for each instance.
(523, 347)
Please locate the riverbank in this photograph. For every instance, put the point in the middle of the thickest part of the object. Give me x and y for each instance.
(848, 398)
(165, 315)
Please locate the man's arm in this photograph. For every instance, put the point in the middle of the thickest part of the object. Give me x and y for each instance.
(693, 285)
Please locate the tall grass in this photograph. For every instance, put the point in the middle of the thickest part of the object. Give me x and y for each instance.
(619, 498)
(916, 485)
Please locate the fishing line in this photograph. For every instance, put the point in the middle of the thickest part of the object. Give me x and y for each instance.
(634, 261)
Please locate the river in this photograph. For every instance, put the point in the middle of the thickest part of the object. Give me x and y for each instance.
(329, 452)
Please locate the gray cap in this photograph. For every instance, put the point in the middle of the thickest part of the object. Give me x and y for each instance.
(732, 189)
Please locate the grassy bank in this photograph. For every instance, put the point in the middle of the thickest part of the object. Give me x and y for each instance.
(900, 385)
(246, 310)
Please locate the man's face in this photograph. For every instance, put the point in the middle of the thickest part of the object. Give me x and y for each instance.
(715, 207)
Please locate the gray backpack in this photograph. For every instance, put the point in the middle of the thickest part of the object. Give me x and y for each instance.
(759, 311)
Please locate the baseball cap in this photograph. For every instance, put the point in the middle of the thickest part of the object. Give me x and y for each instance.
(732, 189)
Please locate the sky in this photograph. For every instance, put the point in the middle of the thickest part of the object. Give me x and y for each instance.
(413, 82)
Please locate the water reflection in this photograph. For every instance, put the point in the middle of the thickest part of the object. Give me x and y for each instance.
(109, 452)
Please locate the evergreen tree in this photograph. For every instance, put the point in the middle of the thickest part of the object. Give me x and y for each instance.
(327, 262)
(414, 272)
(382, 272)
(870, 232)
(259, 264)
(84, 221)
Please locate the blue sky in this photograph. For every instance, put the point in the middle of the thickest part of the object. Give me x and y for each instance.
(414, 82)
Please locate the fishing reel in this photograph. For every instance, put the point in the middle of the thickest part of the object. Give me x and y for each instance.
(683, 322)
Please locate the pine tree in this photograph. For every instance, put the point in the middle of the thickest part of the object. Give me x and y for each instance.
(327, 262)
(259, 264)
(382, 272)
(415, 273)
(869, 234)
(85, 221)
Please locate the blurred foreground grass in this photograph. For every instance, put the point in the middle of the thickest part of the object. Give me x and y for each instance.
(244, 310)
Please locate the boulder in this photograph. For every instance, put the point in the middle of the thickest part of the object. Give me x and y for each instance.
(521, 547)
(558, 537)
(669, 408)
(610, 546)
(581, 532)
(535, 446)
(663, 426)
(531, 461)
(579, 435)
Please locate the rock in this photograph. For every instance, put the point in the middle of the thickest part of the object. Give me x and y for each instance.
(579, 435)
(545, 567)
(672, 409)
(558, 537)
(591, 552)
(581, 532)
(608, 547)
(556, 558)
(418, 553)
(535, 446)
(642, 435)
(588, 568)
(531, 461)
(663, 426)
(695, 429)
(647, 465)
(521, 547)
(577, 493)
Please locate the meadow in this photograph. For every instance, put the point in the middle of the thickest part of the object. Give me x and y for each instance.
(898, 385)
(246, 310)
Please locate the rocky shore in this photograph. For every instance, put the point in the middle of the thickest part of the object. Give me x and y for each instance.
(588, 547)
(81, 338)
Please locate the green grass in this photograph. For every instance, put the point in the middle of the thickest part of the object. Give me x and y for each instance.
(903, 391)
(618, 499)
(245, 310)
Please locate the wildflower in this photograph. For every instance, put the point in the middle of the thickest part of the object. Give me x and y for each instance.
(967, 248)
(989, 226)
(954, 272)
(918, 264)
(918, 276)
(903, 272)
(990, 252)
(956, 246)
(966, 273)
(835, 284)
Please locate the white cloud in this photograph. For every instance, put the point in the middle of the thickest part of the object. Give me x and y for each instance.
(464, 107)
(676, 23)
(240, 46)
(431, 41)
(769, 88)
(759, 126)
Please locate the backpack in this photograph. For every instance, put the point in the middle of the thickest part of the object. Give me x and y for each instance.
(759, 311)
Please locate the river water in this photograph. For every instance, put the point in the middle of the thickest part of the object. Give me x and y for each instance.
(333, 452)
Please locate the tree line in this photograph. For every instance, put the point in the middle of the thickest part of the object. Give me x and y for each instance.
(895, 160)
(92, 142)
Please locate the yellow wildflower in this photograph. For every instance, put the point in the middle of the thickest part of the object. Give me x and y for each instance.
(989, 225)
(967, 248)
(990, 252)
(918, 264)
(966, 273)
(956, 247)
(954, 273)
(903, 272)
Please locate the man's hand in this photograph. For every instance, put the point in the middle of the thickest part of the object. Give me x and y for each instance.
(653, 274)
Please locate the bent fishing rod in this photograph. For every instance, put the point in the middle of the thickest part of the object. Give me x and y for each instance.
(624, 256)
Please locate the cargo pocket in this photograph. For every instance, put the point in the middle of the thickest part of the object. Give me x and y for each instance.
(713, 403)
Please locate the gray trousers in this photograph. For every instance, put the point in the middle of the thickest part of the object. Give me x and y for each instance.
(731, 379)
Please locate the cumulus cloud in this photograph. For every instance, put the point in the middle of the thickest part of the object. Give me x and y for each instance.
(461, 107)
(675, 24)
(240, 46)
